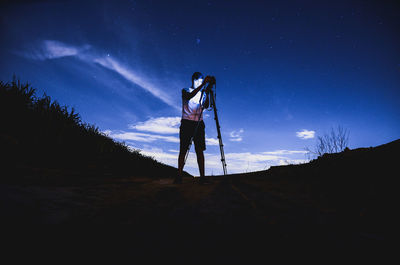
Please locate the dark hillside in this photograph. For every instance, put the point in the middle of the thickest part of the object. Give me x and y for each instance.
(38, 137)
(358, 182)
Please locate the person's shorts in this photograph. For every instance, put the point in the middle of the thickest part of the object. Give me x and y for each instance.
(187, 130)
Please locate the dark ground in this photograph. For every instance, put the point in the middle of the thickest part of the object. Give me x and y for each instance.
(133, 200)
(233, 201)
(340, 202)
(235, 220)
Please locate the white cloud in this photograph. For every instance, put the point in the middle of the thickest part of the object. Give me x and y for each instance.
(249, 162)
(148, 138)
(173, 151)
(305, 134)
(212, 141)
(236, 136)
(160, 155)
(284, 152)
(56, 49)
(285, 162)
(252, 157)
(107, 132)
(52, 49)
(141, 137)
(163, 125)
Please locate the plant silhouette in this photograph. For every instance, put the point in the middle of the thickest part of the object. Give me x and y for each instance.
(39, 132)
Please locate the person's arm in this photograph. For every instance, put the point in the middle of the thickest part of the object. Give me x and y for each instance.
(185, 94)
(188, 96)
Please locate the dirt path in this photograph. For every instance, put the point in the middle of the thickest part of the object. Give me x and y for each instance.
(228, 200)
(230, 206)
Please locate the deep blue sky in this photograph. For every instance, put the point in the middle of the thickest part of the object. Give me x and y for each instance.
(282, 67)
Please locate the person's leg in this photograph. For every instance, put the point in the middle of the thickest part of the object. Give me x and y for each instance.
(183, 149)
(181, 161)
(183, 146)
(200, 161)
(200, 146)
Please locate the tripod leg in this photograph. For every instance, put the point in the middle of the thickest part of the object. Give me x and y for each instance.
(221, 145)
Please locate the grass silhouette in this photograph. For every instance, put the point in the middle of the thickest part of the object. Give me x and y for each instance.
(37, 132)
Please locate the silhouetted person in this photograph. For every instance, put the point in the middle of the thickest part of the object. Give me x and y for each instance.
(191, 114)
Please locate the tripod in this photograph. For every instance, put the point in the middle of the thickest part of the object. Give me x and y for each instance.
(212, 105)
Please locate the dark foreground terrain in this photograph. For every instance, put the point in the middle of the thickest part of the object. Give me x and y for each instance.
(353, 192)
(353, 187)
(58, 170)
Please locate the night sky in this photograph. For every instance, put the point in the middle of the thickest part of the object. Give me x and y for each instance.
(286, 71)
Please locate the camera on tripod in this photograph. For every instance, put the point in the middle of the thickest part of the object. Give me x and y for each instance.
(212, 80)
(210, 83)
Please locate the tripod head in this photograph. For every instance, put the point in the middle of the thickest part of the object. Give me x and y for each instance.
(211, 81)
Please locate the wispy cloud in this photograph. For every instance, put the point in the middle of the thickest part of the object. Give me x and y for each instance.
(305, 134)
(249, 162)
(212, 141)
(253, 157)
(236, 136)
(56, 49)
(130, 75)
(163, 125)
(52, 49)
(140, 137)
(173, 151)
(284, 162)
(160, 155)
(148, 137)
(284, 152)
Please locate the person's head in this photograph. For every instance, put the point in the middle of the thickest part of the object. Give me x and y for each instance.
(197, 79)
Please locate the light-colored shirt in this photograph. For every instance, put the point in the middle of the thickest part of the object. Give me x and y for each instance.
(191, 108)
